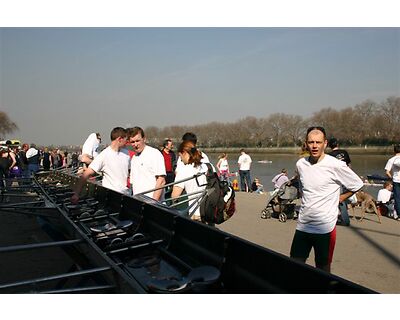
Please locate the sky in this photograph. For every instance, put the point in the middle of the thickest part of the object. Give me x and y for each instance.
(61, 84)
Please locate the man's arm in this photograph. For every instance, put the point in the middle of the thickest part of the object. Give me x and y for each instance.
(345, 196)
(389, 174)
(160, 182)
(82, 180)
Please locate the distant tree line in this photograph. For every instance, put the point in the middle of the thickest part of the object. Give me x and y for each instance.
(367, 123)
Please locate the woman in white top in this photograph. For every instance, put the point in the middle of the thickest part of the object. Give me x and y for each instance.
(223, 167)
(191, 158)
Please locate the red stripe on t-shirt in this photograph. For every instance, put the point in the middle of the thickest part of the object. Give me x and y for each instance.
(332, 242)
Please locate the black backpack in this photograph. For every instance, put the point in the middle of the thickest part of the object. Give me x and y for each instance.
(218, 205)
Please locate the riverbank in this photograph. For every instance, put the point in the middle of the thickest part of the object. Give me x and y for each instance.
(367, 150)
(367, 253)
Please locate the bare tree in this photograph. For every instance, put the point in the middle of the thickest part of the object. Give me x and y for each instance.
(366, 122)
(6, 125)
(295, 129)
(391, 112)
(280, 126)
(363, 128)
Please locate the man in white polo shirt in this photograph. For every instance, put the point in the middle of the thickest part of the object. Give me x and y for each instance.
(147, 166)
(113, 162)
(321, 178)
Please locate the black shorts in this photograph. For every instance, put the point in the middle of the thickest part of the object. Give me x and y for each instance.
(323, 245)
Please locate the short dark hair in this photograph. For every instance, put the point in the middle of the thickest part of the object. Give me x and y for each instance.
(396, 148)
(332, 143)
(166, 141)
(316, 128)
(131, 132)
(117, 132)
(190, 136)
(387, 183)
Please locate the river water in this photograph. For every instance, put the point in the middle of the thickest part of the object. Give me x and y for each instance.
(361, 164)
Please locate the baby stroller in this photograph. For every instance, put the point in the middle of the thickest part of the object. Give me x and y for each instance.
(281, 203)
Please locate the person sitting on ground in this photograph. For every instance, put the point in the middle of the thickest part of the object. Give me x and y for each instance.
(385, 200)
(113, 162)
(280, 179)
(257, 187)
(191, 158)
(90, 148)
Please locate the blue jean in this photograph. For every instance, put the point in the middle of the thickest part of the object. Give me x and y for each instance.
(33, 168)
(396, 196)
(245, 175)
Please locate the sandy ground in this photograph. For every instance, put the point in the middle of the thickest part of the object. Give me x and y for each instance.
(367, 253)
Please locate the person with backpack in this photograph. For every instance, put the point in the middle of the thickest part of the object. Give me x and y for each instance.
(280, 179)
(192, 164)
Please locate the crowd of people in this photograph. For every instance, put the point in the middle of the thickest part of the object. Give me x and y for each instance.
(21, 161)
(132, 167)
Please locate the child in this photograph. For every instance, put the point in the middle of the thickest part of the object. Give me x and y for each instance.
(257, 187)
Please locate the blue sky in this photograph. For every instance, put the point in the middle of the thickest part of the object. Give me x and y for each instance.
(60, 84)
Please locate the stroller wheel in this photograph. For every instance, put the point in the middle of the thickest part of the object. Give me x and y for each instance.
(266, 214)
(263, 215)
(282, 217)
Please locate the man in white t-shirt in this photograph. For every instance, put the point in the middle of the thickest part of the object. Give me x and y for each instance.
(147, 166)
(90, 148)
(244, 163)
(113, 162)
(392, 169)
(321, 178)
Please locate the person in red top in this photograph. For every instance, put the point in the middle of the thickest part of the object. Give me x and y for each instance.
(169, 160)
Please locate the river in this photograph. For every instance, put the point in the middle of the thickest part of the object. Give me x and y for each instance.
(361, 164)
